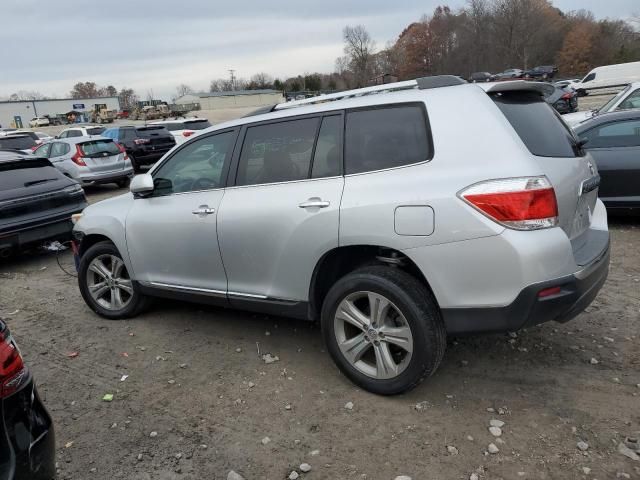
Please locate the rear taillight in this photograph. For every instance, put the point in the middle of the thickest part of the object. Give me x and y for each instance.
(123, 151)
(141, 141)
(527, 203)
(13, 373)
(567, 96)
(77, 157)
(188, 133)
(34, 148)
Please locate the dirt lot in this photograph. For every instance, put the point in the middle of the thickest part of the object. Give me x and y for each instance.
(194, 377)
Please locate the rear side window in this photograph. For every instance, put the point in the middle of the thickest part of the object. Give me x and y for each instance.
(385, 138)
(277, 152)
(328, 156)
(17, 143)
(537, 124)
(99, 148)
(95, 130)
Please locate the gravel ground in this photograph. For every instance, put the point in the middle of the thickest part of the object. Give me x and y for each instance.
(198, 401)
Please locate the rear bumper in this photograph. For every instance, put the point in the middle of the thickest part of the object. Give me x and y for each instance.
(27, 437)
(107, 177)
(58, 226)
(147, 155)
(576, 292)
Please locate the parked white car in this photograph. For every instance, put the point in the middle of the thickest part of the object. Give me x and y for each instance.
(83, 131)
(184, 128)
(39, 122)
(44, 137)
(627, 99)
(608, 76)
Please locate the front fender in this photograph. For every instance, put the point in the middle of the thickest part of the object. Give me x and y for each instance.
(108, 219)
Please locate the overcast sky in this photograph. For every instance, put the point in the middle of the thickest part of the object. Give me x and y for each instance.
(157, 44)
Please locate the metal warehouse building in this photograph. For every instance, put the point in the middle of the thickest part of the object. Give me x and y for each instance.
(18, 114)
(237, 98)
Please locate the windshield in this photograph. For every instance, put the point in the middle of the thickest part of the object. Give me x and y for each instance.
(17, 143)
(609, 105)
(99, 148)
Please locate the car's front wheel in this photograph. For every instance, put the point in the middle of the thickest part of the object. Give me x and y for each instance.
(105, 283)
(383, 329)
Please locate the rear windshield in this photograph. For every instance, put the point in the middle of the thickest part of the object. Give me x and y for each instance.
(152, 130)
(26, 171)
(98, 148)
(537, 124)
(173, 126)
(197, 124)
(17, 143)
(95, 130)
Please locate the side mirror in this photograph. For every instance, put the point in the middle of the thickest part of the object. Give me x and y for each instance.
(141, 184)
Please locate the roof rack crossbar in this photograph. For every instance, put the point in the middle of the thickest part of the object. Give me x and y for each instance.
(420, 83)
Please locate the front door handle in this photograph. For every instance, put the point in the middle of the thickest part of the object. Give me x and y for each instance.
(204, 210)
(315, 202)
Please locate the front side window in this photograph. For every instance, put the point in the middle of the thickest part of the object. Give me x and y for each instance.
(74, 133)
(43, 150)
(64, 134)
(277, 152)
(632, 101)
(199, 165)
(385, 138)
(617, 134)
(588, 78)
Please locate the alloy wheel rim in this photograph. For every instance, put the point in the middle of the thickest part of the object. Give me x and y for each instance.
(108, 282)
(373, 335)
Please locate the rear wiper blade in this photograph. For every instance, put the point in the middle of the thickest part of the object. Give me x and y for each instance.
(36, 182)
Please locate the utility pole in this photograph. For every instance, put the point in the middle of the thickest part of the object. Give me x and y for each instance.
(233, 79)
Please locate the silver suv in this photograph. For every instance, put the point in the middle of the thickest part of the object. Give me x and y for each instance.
(384, 213)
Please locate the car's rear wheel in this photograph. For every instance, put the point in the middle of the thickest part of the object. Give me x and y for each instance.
(383, 329)
(105, 283)
(123, 182)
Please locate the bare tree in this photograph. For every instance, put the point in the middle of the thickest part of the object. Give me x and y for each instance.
(26, 95)
(260, 81)
(182, 90)
(359, 48)
(127, 97)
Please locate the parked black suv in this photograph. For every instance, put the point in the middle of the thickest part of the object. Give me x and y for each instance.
(27, 441)
(481, 77)
(543, 72)
(144, 145)
(36, 201)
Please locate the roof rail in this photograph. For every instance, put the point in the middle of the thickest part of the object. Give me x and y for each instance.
(420, 83)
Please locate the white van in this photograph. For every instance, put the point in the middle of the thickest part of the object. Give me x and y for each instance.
(608, 76)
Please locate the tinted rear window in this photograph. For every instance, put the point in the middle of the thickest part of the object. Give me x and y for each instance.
(24, 171)
(95, 130)
(537, 124)
(17, 143)
(173, 126)
(98, 148)
(152, 130)
(386, 137)
(197, 124)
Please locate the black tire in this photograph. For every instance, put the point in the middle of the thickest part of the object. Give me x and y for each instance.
(420, 310)
(581, 92)
(123, 182)
(138, 301)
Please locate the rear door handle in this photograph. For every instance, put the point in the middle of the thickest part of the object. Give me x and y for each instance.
(204, 210)
(315, 203)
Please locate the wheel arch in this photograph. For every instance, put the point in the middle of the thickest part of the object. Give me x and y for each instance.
(339, 261)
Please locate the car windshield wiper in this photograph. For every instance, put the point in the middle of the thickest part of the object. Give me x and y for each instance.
(36, 182)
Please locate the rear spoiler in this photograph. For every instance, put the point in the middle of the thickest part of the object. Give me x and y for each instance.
(518, 86)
